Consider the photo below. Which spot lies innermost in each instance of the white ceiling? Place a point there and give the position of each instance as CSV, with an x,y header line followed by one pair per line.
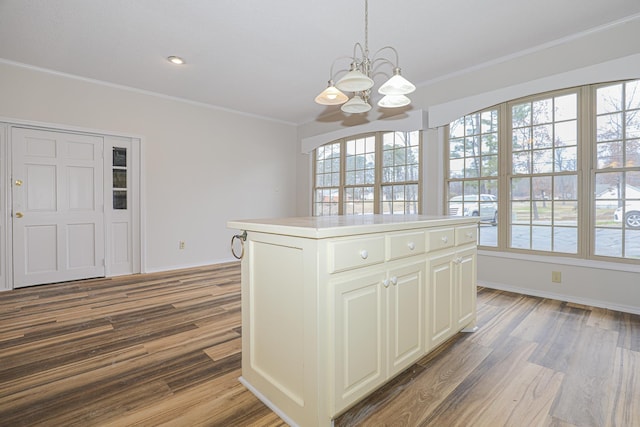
x,y
270,58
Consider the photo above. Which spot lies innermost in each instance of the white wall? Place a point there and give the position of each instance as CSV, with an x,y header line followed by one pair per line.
x,y
202,166
601,284
611,51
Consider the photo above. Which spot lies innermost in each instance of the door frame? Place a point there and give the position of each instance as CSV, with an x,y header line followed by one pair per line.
x,y
136,237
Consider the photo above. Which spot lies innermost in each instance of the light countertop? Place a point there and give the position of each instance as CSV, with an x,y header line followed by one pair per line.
x,y
321,227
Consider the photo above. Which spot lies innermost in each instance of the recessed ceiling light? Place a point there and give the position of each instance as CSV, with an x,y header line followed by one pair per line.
x,y
175,60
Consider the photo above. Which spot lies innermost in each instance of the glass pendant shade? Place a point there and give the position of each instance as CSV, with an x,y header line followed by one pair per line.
x,y
331,96
356,105
393,101
396,85
354,81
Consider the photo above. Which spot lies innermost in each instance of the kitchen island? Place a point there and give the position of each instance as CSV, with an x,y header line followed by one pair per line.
x,y
334,307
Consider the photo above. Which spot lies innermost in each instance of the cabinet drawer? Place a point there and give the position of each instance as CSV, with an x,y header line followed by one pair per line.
x,y
440,239
405,244
354,253
467,234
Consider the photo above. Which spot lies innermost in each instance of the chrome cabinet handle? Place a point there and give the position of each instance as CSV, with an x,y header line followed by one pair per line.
x,y
411,246
364,254
445,239
385,282
469,235
394,280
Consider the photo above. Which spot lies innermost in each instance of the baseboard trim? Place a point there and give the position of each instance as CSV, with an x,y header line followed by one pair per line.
x,y
267,402
185,266
560,297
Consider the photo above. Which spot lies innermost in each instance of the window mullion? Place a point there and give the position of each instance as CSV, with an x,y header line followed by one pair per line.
x,y
504,176
586,171
420,173
377,186
343,163
446,169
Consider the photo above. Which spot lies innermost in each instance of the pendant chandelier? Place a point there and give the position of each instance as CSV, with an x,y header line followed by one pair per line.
x,y
359,79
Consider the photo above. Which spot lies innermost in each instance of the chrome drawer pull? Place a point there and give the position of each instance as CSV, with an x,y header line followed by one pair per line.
x,y
364,254
412,246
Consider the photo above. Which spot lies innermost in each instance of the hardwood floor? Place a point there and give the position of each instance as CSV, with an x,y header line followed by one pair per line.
x,y
164,349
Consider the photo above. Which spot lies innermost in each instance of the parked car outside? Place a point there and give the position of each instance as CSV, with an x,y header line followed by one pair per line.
x,y
485,206
631,214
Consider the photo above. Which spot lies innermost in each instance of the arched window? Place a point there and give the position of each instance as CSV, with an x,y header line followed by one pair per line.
x,y
366,174
556,173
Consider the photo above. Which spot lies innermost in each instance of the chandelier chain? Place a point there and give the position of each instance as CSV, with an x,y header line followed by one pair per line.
x,y
366,28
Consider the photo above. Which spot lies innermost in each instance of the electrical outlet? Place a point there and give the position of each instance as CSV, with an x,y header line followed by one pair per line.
x,y
556,277
181,245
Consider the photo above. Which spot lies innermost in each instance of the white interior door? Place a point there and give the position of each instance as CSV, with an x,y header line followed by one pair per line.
x,y
58,206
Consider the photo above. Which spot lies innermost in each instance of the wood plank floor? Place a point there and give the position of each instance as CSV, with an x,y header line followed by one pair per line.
x,y
164,349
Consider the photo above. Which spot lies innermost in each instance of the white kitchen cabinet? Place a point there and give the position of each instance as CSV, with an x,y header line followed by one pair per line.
x,y
465,285
358,334
452,283
377,328
441,298
405,316
334,307
465,276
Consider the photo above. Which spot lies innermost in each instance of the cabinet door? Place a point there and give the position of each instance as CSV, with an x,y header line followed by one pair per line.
x,y
359,337
405,308
440,299
466,287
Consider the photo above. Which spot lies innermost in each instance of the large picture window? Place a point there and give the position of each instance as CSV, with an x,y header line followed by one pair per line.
x,y
473,171
360,175
544,178
562,168
400,172
367,174
617,170
327,183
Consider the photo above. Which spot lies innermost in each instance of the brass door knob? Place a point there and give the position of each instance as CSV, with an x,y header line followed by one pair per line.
x,y
18,214
18,182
